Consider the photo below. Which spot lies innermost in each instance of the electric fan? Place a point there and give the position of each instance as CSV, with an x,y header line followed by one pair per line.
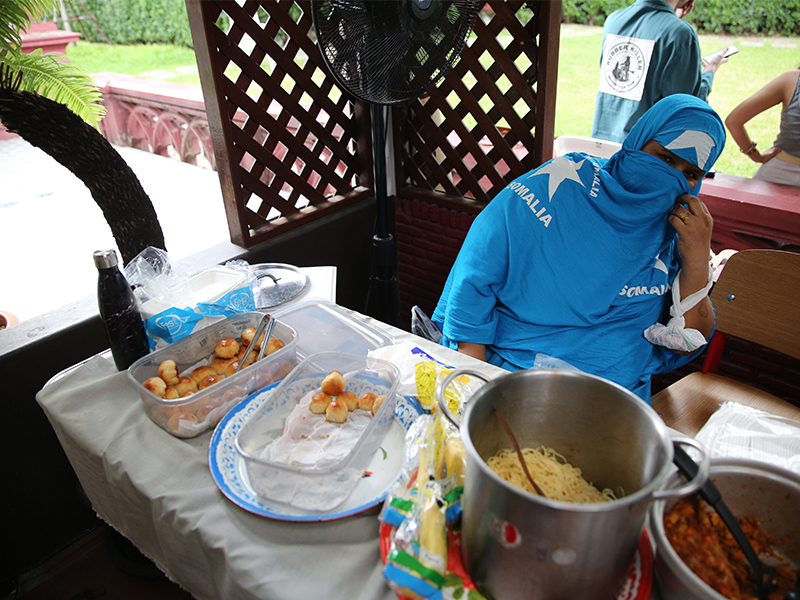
x,y
389,52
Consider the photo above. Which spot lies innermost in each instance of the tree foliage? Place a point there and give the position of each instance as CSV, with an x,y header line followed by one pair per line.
x,y
767,17
42,73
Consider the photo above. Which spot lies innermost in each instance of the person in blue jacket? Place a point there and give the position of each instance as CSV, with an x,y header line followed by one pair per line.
x,y
584,260
648,53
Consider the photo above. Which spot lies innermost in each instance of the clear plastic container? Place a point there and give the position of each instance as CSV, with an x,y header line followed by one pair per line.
x,y
335,468
204,409
326,327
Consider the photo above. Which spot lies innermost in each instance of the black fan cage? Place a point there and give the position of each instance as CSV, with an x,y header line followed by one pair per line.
x,y
391,51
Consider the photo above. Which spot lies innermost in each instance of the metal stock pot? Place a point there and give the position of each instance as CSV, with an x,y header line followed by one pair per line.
x,y
751,488
518,545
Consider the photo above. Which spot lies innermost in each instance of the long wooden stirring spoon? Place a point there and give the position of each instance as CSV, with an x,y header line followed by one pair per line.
x,y
519,452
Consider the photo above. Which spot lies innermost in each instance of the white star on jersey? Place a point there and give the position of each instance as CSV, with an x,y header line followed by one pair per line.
x,y
699,141
558,170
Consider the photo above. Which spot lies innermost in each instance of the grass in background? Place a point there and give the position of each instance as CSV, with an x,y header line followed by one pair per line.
x,y
134,60
759,60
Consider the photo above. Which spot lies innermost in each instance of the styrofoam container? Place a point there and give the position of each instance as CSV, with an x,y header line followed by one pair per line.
x,y
211,404
312,487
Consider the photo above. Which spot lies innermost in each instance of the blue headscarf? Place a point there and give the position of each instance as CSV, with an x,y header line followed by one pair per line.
x,y
574,260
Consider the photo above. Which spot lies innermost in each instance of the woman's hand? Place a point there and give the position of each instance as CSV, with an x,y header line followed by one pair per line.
x,y
762,157
694,225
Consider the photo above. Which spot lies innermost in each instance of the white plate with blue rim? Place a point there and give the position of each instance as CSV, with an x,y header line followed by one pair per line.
x,y
230,474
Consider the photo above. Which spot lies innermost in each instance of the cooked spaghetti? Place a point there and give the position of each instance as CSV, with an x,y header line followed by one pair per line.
x,y
558,479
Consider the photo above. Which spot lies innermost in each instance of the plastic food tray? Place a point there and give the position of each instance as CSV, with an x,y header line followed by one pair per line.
x,y
310,487
326,327
211,404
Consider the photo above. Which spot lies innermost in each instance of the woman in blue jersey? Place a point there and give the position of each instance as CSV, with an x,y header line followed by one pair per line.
x,y
601,263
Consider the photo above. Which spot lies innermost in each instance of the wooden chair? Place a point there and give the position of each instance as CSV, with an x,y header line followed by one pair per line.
x,y
756,298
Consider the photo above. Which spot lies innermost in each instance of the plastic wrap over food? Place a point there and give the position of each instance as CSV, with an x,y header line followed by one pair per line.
x,y
174,304
298,457
740,431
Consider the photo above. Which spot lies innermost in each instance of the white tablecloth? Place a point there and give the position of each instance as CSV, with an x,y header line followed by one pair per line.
x,y
157,491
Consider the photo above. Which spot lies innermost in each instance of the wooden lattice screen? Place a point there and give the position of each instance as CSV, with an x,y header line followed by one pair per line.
x,y
286,138
292,146
492,118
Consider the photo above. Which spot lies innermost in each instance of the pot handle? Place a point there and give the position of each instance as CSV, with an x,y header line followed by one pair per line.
x,y
696,482
441,386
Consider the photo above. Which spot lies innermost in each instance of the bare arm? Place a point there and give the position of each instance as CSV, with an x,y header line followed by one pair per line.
x,y
694,246
474,350
777,91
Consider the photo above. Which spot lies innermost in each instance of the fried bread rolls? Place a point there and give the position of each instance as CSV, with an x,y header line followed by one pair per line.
x,y
273,345
201,373
366,401
168,371
156,385
336,412
319,403
226,348
185,386
247,337
333,384
350,400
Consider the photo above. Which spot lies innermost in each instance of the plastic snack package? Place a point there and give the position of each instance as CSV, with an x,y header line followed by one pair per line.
x,y
455,460
430,373
417,562
405,357
424,509
740,431
422,326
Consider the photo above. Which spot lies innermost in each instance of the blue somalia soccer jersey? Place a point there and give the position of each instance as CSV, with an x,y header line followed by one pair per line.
x,y
510,290
575,259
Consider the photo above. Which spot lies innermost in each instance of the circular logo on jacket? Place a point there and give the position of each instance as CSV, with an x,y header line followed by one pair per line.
x,y
624,66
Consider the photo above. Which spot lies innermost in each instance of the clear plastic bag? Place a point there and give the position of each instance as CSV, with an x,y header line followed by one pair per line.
x,y
175,303
422,326
740,431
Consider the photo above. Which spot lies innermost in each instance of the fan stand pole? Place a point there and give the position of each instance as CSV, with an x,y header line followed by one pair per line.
x,y
384,279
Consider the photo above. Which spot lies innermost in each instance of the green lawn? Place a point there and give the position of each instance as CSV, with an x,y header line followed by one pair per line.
x,y
759,60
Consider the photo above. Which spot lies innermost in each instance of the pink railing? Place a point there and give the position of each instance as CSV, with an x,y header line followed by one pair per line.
x,y
159,117
170,119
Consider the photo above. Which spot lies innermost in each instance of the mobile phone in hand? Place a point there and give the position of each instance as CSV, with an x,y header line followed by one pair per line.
x,y
729,51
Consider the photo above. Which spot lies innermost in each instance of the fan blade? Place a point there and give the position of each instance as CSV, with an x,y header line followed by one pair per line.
x,y
391,51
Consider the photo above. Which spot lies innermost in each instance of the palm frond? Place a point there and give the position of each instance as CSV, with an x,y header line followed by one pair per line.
x,y
16,15
61,82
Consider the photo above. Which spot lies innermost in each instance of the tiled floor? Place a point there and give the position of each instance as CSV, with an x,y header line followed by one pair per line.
x,y
85,570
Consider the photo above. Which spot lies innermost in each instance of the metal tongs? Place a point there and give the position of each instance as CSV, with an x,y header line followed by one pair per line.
x,y
267,323
763,574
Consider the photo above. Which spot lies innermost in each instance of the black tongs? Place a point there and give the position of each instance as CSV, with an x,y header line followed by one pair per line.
x,y
763,574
